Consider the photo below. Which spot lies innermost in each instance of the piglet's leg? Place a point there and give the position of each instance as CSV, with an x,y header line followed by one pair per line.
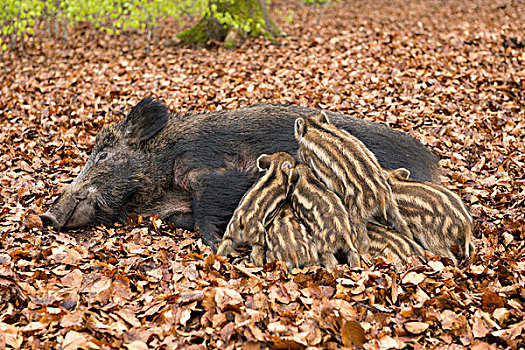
x,y
328,260
470,248
257,255
353,259
270,256
226,247
361,233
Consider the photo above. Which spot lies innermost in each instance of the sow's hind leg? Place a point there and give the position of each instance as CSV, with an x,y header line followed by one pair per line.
x,y
215,196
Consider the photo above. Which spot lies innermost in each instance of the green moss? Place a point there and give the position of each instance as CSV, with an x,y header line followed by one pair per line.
x,y
196,34
243,17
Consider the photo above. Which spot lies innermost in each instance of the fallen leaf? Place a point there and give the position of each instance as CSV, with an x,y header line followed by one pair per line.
x,y
413,278
416,327
491,301
137,345
353,334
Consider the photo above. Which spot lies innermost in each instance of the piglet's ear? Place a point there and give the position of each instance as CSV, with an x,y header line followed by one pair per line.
x,y
401,173
146,119
263,162
287,167
300,127
322,118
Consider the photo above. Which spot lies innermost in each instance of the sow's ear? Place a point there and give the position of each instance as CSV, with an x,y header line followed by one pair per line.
x,y
263,162
322,118
147,118
401,173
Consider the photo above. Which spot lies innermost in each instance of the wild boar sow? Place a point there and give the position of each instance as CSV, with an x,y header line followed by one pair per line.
x,y
193,169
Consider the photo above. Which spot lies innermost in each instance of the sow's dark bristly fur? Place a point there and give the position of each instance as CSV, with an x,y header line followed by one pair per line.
x,y
437,217
385,242
324,215
193,169
351,170
258,207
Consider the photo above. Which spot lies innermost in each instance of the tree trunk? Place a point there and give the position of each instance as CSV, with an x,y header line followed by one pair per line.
x,y
230,22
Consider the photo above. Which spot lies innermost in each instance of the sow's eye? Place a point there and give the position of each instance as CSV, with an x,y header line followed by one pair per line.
x,y
101,156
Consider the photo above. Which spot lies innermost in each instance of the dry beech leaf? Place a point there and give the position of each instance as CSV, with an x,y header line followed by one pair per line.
x,y
32,220
34,326
437,266
501,315
75,340
11,335
353,334
73,279
491,301
387,342
479,328
137,345
412,278
416,327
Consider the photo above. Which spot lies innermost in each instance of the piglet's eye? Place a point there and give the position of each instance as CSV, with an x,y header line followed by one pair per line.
x,y
241,224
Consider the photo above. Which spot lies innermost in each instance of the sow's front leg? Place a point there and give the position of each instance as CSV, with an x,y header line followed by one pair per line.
x,y
215,196
183,221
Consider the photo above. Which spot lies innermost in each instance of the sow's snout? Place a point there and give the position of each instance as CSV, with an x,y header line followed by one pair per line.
x,y
71,210
123,175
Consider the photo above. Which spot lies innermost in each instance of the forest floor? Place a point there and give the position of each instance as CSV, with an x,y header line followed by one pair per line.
x,y
450,73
